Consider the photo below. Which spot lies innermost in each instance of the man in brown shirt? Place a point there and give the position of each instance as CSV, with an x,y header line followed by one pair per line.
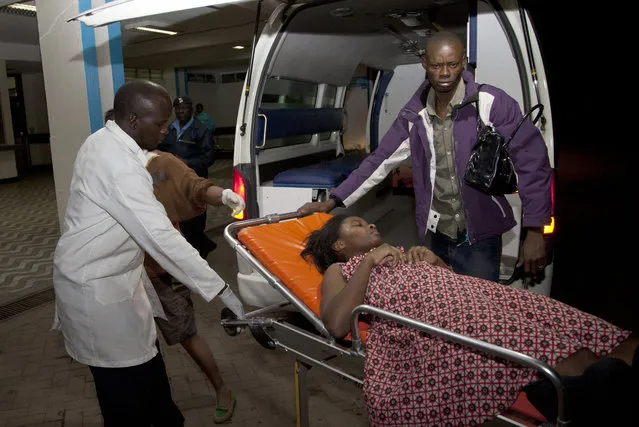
x,y
185,195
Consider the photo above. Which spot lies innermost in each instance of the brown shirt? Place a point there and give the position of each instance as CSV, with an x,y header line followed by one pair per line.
x,y
179,189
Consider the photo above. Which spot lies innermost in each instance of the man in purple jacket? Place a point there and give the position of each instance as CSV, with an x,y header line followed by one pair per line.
x,y
437,130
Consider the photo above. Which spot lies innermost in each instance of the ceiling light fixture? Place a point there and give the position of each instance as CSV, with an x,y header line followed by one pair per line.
x,y
20,6
342,12
121,10
410,19
156,30
238,47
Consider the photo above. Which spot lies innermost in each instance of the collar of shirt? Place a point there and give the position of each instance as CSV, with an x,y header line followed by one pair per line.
x,y
123,136
176,125
457,99
128,142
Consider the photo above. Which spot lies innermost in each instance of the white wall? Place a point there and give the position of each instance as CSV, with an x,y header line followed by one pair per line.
x,y
35,103
19,52
495,62
402,87
221,101
169,81
66,87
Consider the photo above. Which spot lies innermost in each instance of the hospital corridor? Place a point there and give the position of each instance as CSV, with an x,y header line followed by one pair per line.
x,y
264,213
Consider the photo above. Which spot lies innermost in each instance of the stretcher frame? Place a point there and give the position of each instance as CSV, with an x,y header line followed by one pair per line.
x,y
321,350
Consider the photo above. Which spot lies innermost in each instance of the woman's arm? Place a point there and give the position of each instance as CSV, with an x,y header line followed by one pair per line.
x,y
340,297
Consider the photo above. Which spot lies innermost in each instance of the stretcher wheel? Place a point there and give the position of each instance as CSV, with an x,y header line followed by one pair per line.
x,y
262,337
232,331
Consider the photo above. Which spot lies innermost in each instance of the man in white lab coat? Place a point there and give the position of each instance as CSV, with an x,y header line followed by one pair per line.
x,y
112,218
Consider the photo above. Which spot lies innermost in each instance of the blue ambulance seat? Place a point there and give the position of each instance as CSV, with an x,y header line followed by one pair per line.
x,y
326,174
285,122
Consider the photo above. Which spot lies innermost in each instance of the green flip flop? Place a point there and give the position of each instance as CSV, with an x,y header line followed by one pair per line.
x,y
223,414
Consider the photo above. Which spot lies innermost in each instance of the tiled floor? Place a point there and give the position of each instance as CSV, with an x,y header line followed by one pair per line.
x,y
41,386
29,231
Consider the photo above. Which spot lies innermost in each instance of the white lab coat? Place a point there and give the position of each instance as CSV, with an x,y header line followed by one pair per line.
x,y
112,218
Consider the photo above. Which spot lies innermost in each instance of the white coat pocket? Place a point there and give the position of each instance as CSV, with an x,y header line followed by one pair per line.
x,y
115,289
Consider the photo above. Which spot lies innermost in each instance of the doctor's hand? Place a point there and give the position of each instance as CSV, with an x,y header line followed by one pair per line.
x,y
230,300
233,201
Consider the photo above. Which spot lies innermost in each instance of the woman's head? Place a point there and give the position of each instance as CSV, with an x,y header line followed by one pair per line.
x,y
341,238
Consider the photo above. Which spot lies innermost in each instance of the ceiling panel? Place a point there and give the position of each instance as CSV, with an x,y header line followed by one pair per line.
x,y
206,35
16,28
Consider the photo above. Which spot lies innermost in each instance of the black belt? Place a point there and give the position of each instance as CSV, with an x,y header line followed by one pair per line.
x,y
461,235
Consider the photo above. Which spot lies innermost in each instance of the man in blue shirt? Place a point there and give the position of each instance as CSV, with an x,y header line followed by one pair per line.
x,y
190,140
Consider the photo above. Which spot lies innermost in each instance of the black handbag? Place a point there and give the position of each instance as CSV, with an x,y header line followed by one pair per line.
x,y
489,168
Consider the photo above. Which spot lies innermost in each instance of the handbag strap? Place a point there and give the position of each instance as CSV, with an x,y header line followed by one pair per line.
x,y
539,107
474,99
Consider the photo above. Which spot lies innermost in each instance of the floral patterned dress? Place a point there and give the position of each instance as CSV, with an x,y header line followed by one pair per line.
x,y
414,379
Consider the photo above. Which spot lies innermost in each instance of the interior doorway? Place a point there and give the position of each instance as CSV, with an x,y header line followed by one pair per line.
x,y
19,123
18,112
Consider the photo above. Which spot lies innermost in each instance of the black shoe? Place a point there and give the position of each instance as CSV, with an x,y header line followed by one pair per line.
x,y
602,396
543,396
608,393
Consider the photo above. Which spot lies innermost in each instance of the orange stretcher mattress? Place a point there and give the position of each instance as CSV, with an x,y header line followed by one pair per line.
x,y
278,246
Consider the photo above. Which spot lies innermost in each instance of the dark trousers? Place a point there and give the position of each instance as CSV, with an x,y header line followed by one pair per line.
x,y
481,259
193,231
137,396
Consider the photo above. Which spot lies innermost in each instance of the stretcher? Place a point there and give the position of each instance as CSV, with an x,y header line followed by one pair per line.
x,y
272,246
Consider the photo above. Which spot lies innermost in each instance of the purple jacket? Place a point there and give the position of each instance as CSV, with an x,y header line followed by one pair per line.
x,y
410,136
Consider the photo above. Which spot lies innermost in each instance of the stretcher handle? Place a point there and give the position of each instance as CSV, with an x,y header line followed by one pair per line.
x,y
233,228
504,353
230,234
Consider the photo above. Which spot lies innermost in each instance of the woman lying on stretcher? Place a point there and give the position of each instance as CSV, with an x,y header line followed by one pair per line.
x,y
413,378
